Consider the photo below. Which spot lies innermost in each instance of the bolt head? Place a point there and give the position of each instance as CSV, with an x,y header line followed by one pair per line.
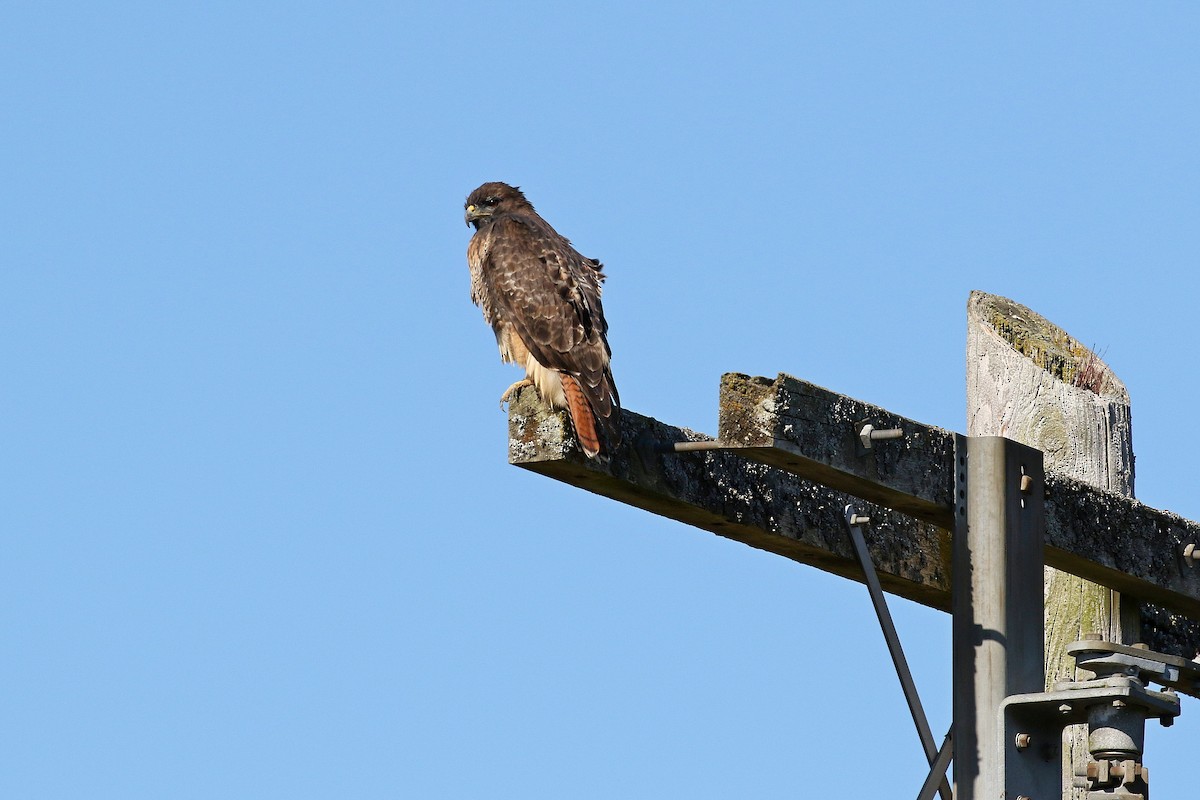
x,y
864,435
1023,740
1065,708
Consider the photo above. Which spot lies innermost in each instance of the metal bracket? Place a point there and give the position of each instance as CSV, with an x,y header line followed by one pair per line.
x,y
1108,658
1115,707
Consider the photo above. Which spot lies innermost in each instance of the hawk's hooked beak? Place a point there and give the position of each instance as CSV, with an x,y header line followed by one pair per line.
x,y
473,213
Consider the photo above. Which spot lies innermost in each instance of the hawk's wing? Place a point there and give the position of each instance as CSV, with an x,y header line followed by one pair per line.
x,y
550,295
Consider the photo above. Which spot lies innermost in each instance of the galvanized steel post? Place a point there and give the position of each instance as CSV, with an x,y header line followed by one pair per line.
x,y
997,601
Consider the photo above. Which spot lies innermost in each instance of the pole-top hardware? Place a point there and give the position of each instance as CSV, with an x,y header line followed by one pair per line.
x,y
1114,705
998,503
1110,660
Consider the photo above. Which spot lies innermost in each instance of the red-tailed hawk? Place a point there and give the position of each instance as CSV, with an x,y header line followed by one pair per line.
x,y
542,298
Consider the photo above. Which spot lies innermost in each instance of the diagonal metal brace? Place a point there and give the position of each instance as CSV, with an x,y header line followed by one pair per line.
x,y
937,770
854,522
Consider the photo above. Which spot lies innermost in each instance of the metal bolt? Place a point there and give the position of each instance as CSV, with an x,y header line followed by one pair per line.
x,y
1118,704
855,519
867,434
1022,797
1191,554
1026,484
692,447
1023,740
1065,708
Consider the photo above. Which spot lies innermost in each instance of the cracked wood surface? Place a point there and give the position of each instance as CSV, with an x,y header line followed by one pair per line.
x,y
1029,380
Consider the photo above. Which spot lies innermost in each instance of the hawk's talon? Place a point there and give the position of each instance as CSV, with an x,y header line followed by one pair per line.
x,y
512,390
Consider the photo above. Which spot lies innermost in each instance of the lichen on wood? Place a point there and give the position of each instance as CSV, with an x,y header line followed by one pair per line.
x,y
1048,346
1029,380
796,425
723,493
778,429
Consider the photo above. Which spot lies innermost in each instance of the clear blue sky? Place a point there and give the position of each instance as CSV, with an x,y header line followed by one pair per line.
x,y
260,536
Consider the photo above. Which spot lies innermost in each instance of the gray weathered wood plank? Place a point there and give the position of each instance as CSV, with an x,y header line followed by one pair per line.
x,y
812,432
724,494
762,505
1103,536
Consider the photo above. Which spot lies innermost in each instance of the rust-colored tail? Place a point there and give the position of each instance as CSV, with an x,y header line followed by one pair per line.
x,y
581,416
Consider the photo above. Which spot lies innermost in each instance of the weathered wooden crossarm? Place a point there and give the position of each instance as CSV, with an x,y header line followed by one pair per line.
x,y
1117,542
761,496
810,431
814,433
722,493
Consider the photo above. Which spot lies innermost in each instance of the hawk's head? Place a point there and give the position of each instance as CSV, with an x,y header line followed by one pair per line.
x,y
493,198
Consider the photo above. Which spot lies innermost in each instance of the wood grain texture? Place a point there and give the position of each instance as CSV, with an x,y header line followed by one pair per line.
x,y
1029,380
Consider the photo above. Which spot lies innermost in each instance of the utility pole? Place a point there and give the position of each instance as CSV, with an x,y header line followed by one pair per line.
x,y
959,523
997,631
1029,380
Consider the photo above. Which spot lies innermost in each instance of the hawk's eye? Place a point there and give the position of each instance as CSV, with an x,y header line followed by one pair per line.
x,y
491,201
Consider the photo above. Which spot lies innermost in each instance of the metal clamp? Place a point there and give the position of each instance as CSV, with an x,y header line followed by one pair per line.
x,y
1108,659
1115,707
